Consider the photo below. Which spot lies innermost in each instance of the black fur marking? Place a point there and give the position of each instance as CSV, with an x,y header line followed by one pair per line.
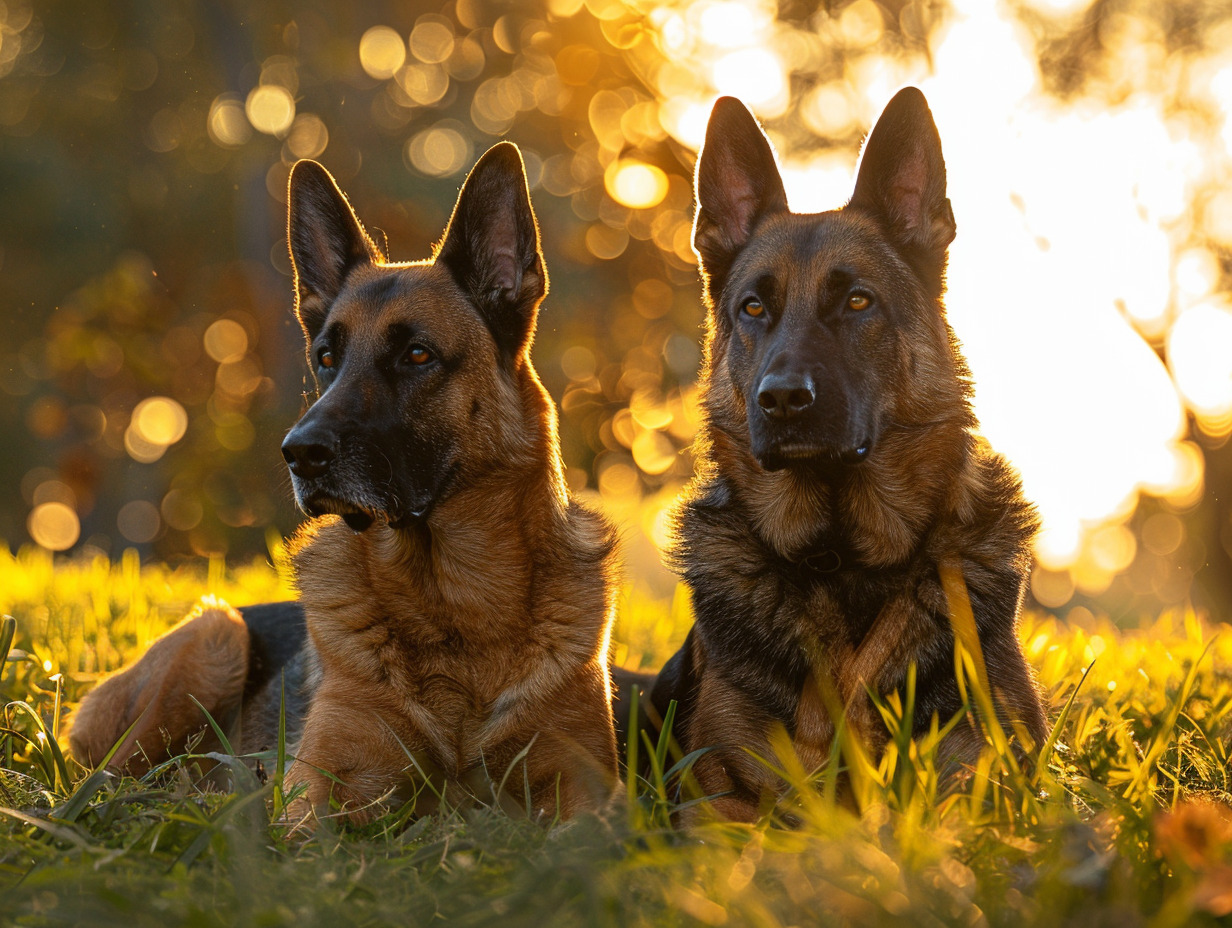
x,y
901,181
899,485
326,239
277,633
737,184
491,248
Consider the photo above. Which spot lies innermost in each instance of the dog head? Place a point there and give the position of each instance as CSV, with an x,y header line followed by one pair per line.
x,y
820,323
416,365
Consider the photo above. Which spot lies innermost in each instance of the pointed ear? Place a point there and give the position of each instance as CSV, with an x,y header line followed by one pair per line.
x,y
737,184
902,179
326,241
491,247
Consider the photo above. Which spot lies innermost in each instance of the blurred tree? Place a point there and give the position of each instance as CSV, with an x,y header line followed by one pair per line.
x,y
151,359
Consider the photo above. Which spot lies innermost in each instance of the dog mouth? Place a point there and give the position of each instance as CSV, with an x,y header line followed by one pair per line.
x,y
808,455
362,504
359,517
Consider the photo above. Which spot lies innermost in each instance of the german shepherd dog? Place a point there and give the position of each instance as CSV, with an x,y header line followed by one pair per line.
x,y
840,473
457,600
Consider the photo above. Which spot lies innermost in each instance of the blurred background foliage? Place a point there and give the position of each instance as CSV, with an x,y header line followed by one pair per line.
x,y
151,362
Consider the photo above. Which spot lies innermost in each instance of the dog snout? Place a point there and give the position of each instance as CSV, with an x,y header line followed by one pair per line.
x,y
308,451
782,395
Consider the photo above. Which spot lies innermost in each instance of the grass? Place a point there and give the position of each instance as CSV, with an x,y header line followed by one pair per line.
x,y
1127,824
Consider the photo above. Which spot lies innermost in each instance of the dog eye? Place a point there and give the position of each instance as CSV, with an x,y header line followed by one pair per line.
x,y
753,307
418,354
325,359
859,301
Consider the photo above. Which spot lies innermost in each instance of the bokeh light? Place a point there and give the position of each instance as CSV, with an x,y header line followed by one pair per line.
x,y
432,40
157,423
381,52
227,123
1200,354
54,526
756,76
438,151
225,340
138,521
270,108
160,420
308,137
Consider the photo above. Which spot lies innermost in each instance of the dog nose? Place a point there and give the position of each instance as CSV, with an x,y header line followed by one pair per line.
x,y
308,454
782,396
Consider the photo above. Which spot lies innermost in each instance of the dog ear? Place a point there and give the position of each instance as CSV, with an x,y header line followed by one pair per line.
x,y
737,184
326,239
491,246
902,178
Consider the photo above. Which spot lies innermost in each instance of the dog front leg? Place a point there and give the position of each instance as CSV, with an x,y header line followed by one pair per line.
x,y
350,758
573,764
726,720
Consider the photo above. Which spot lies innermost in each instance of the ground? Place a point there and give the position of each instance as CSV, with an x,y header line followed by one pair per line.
x,y
1127,823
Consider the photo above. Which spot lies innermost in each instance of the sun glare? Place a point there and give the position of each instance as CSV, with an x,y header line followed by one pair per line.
x,y
636,185
1200,351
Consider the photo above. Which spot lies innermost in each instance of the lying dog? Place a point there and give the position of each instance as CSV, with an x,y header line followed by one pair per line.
x,y
839,471
457,600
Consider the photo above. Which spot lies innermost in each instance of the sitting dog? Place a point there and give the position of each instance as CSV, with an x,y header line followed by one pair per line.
x,y
840,475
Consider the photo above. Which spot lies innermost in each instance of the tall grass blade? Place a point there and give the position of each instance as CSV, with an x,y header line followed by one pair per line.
x,y
631,744
1162,739
8,631
52,758
280,762
665,736
86,790
517,759
218,732
1054,735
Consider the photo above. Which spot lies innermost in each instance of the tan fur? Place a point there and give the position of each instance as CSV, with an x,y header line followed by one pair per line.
x,y
205,656
465,661
449,645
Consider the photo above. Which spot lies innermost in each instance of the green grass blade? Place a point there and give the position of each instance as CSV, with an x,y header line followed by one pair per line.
x,y
53,829
682,766
280,763
517,759
218,732
631,744
8,631
1054,735
86,790
423,775
54,765
665,736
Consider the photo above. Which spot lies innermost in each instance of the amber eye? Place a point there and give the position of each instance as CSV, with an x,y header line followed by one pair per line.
x,y
753,308
858,301
326,359
418,354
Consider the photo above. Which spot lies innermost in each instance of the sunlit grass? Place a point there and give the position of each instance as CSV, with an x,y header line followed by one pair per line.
x,y
1129,817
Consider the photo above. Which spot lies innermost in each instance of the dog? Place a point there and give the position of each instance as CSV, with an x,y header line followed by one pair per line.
x,y
839,472
456,601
